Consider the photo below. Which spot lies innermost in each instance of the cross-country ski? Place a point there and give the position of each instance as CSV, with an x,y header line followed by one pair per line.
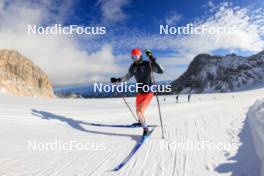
x,y
134,150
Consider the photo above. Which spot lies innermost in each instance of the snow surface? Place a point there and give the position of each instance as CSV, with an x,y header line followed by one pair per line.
x,y
215,118
256,122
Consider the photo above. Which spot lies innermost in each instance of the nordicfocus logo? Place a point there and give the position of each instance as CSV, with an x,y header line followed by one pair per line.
x,y
197,146
190,29
58,29
58,145
131,88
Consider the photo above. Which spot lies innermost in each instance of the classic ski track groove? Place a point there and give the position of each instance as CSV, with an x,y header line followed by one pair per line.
x,y
216,120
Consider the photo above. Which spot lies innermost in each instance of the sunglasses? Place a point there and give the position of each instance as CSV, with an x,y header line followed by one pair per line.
x,y
135,57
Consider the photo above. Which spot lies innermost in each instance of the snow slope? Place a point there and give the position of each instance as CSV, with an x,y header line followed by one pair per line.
x,y
209,118
256,122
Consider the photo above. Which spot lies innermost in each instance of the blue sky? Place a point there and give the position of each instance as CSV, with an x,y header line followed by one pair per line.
x,y
143,17
129,23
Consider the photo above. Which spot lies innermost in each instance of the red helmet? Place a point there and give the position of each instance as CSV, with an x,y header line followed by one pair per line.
x,y
135,52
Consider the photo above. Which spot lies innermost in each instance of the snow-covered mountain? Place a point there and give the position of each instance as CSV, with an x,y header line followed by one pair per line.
x,y
208,73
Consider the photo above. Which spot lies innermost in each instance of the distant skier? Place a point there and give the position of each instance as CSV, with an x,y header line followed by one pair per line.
x,y
141,70
177,98
189,98
164,99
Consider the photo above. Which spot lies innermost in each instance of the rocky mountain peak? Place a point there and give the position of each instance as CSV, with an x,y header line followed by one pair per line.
x,y
208,73
20,76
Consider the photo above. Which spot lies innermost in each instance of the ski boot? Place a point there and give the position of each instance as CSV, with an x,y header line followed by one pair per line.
x,y
145,132
138,124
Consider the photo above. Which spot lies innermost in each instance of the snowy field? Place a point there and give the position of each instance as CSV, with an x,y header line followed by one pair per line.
x,y
36,136
256,122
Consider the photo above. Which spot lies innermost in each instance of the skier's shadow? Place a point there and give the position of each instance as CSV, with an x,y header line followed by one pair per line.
x,y
77,124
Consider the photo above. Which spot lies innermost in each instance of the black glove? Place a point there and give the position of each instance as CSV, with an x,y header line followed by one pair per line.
x,y
115,80
150,56
149,53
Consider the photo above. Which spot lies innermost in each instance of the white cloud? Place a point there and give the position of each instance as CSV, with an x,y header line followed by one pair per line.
x,y
112,10
249,24
210,3
248,35
60,56
173,18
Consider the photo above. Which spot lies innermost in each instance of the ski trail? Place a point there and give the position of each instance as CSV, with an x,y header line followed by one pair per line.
x,y
203,120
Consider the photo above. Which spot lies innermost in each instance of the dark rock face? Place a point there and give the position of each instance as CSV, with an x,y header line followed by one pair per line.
x,y
207,74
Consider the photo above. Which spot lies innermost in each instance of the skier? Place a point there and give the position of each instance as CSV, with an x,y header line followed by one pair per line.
x,y
142,71
177,98
189,98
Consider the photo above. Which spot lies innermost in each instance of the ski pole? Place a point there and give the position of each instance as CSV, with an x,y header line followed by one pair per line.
x,y
162,130
157,98
129,108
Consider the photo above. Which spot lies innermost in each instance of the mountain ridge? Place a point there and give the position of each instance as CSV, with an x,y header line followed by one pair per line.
x,y
208,74
20,76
